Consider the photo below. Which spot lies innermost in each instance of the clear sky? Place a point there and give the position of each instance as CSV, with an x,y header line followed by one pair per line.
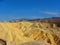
x,y
16,9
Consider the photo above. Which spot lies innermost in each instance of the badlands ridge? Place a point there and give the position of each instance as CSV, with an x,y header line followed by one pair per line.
x,y
19,32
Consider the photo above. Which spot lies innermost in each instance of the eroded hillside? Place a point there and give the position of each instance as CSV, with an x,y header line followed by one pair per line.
x,y
15,33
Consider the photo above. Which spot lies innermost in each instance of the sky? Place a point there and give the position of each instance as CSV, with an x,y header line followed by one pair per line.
x,y
29,9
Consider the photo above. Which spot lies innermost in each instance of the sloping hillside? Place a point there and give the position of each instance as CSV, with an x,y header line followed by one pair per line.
x,y
15,33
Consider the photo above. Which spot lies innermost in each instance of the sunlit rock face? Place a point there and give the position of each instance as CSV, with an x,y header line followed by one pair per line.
x,y
21,31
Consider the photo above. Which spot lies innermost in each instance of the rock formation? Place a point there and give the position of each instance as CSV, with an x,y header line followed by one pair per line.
x,y
21,31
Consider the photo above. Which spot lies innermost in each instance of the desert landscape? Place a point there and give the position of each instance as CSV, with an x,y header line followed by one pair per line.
x,y
30,32
29,22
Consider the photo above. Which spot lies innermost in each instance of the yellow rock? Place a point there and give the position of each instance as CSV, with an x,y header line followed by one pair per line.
x,y
15,33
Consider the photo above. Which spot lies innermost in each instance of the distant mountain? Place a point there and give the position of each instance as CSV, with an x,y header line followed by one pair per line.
x,y
53,20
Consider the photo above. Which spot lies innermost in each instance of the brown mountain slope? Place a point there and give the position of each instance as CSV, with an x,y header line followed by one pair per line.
x,y
26,31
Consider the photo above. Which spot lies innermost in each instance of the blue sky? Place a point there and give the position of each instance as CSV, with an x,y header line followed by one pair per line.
x,y
17,9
